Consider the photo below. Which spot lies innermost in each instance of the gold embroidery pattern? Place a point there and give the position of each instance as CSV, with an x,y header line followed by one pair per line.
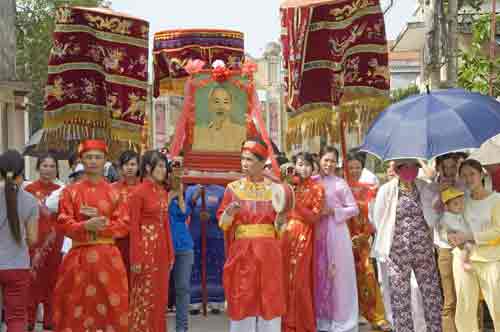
x,y
348,10
251,191
63,15
142,292
115,25
142,307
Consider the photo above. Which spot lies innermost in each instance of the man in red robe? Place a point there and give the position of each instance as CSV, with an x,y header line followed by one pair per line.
x,y
253,272
91,293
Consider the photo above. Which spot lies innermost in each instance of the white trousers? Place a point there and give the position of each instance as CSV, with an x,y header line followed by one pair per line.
x,y
332,326
417,306
255,324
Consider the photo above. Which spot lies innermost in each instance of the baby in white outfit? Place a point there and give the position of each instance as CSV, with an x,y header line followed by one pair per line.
x,y
453,221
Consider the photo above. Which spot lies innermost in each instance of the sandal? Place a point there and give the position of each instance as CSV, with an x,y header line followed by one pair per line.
x,y
382,326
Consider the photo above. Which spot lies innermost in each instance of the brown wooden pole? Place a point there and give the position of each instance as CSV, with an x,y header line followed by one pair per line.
x,y
204,225
493,44
343,145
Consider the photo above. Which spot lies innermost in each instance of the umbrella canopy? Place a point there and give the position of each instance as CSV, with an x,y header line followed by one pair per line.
x,y
488,153
433,124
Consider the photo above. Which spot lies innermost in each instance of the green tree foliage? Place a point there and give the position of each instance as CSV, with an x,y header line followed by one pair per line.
x,y
34,28
475,64
400,94
474,4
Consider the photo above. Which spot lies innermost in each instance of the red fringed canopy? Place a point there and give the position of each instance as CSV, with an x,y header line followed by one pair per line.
x,y
174,48
98,79
335,54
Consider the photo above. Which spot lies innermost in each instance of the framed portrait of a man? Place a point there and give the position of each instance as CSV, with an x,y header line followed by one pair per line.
x,y
220,117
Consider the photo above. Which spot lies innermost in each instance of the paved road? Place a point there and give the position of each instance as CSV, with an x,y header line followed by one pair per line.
x,y
217,323
213,323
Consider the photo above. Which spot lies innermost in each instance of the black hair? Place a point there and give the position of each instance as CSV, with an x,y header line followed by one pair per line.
x,y
442,158
12,166
359,153
72,160
329,149
151,158
45,156
461,155
305,156
127,156
356,156
473,164
282,160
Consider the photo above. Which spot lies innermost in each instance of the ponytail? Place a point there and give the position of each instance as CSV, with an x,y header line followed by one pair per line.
x,y
12,166
12,215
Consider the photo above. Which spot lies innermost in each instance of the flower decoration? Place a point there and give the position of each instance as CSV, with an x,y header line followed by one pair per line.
x,y
249,68
194,66
220,74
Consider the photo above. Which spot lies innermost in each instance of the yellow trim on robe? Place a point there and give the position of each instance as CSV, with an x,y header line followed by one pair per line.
x,y
494,242
93,242
252,191
255,231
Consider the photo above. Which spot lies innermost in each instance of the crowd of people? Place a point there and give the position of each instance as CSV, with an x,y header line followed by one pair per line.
x,y
419,252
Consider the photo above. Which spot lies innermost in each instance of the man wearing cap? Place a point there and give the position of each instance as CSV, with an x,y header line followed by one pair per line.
x,y
253,280
91,293
447,169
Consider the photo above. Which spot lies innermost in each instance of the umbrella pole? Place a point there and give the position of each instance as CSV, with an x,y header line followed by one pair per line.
x,y
493,31
204,226
343,146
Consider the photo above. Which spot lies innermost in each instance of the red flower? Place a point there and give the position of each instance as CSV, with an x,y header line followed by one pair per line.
x,y
220,74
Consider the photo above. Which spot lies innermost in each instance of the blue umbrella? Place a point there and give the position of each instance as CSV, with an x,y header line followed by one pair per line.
x,y
432,124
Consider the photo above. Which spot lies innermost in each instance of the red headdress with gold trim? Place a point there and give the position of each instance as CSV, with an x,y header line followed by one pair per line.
x,y
256,148
92,144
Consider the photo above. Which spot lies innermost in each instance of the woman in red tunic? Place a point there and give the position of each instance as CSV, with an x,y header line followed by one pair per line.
x,y
297,241
371,304
46,254
151,247
91,293
129,171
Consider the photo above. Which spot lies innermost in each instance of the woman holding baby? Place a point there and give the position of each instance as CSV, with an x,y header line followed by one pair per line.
x,y
482,213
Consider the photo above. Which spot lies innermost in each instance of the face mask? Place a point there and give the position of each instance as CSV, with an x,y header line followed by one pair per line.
x,y
408,173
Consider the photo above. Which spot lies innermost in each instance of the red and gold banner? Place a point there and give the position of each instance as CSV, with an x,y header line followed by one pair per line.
x,y
174,48
335,54
97,83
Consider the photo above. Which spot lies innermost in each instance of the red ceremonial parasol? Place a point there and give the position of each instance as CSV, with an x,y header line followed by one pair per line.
x,y
335,58
174,48
97,79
